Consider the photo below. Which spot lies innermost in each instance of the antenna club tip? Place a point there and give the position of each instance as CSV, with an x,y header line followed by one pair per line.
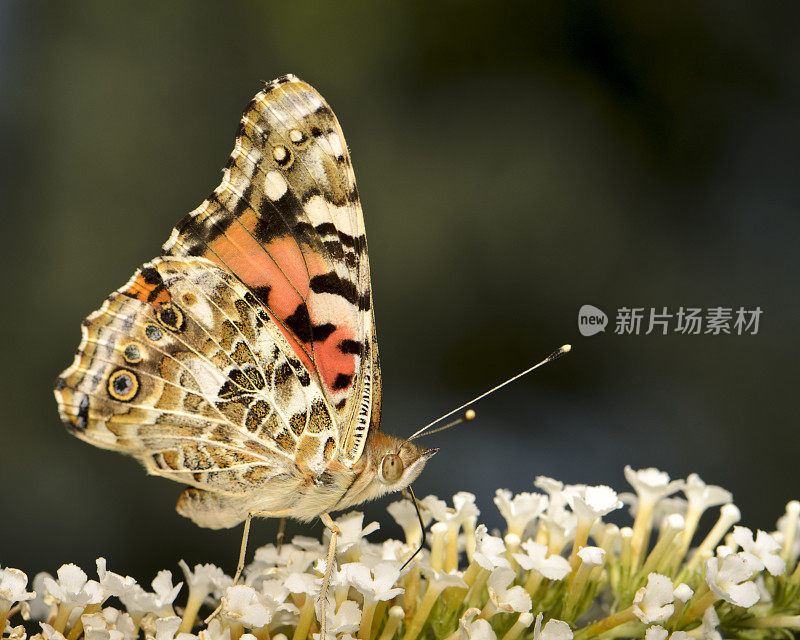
x,y
566,348
469,414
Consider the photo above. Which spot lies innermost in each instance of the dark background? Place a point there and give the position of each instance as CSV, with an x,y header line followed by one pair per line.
x,y
515,161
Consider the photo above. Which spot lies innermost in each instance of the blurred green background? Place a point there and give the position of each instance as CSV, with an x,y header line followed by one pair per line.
x,y
516,160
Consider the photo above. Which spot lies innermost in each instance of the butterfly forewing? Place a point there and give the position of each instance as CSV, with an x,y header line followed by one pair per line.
x,y
286,220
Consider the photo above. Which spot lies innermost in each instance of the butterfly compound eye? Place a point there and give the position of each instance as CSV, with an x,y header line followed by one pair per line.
x,y
391,468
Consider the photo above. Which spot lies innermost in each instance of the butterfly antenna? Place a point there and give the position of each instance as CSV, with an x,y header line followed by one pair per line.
x,y
467,416
421,526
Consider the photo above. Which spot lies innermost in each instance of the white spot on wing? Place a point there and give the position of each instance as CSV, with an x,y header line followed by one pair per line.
x,y
320,210
334,143
274,185
310,103
279,153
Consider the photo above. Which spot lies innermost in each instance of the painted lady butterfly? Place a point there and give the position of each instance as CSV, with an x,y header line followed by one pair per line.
x,y
243,362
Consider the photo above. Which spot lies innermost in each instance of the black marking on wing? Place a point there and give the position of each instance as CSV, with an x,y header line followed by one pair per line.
x,y
350,346
262,293
299,323
243,203
151,275
342,381
322,332
331,283
83,413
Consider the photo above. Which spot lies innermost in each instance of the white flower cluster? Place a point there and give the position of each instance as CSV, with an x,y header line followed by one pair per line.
x,y
557,572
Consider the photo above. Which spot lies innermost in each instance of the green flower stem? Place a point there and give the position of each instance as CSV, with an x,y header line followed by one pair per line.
x,y
475,595
472,573
581,538
454,597
424,609
451,551
470,542
794,579
137,621
439,535
305,620
677,614
340,595
608,538
489,610
392,624
691,520
790,531
367,615
575,589
77,629
193,604
262,633
777,622
412,590
523,622
512,542
659,552
532,583
698,606
5,607
62,617
641,531
236,629
606,624
672,559
626,553
543,537
729,515
380,614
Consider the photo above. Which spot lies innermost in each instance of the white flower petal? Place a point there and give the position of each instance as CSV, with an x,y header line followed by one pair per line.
x,y
12,586
656,633
728,578
653,602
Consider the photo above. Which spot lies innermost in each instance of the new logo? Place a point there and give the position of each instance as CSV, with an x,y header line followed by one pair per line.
x,y
591,320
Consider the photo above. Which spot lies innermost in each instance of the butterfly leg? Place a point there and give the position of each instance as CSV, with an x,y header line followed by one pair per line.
x,y
243,548
326,580
281,531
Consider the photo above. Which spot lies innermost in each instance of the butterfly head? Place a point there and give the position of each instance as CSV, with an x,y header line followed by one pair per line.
x,y
399,462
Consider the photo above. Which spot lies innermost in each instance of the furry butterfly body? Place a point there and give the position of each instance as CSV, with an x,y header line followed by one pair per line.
x,y
243,362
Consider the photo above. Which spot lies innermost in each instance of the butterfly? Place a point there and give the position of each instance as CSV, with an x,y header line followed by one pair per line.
x,y
243,362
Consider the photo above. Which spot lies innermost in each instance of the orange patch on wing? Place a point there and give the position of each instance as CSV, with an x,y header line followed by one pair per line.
x,y
331,361
282,266
140,289
279,266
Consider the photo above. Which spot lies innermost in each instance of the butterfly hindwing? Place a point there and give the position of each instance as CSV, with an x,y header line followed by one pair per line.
x,y
287,222
184,369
